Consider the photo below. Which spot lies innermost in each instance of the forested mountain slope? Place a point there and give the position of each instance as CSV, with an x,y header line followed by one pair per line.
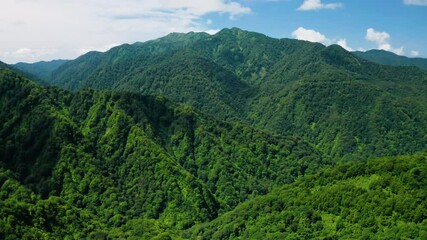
x,y
247,148
377,199
389,58
347,106
75,164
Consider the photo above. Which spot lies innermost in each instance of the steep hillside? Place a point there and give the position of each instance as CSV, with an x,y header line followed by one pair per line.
x,y
127,159
348,107
376,199
389,58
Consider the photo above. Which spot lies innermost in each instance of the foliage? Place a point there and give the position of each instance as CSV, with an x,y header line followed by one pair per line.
x,y
124,157
378,199
116,164
348,107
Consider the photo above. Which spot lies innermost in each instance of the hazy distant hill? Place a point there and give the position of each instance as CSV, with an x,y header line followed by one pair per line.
x,y
3,65
389,58
40,69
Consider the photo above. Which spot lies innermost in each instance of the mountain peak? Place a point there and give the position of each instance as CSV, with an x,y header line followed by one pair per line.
x,y
183,37
236,31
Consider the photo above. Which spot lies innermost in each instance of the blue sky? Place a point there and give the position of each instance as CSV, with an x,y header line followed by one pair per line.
x,y
405,23
49,29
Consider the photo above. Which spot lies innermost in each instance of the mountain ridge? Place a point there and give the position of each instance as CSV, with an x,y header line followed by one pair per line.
x,y
252,80
226,136
389,58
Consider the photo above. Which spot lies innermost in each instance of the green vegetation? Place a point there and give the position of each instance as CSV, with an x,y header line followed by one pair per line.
x,y
129,159
263,139
389,58
348,107
383,198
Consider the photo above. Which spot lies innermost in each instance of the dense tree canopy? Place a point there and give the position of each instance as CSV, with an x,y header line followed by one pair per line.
x,y
123,156
346,106
378,199
228,136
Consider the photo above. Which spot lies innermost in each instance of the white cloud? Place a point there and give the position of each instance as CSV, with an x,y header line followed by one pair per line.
x,y
313,36
104,48
309,35
30,53
378,37
92,24
212,31
398,51
343,44
317,5
414,53
416,2
382,40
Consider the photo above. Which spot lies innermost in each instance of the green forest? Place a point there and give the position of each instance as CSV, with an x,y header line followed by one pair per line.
x,y
345,105
228,136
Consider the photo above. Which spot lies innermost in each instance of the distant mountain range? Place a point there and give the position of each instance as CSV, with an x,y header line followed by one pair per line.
x,y
40,70
228,136
44,69
392,59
